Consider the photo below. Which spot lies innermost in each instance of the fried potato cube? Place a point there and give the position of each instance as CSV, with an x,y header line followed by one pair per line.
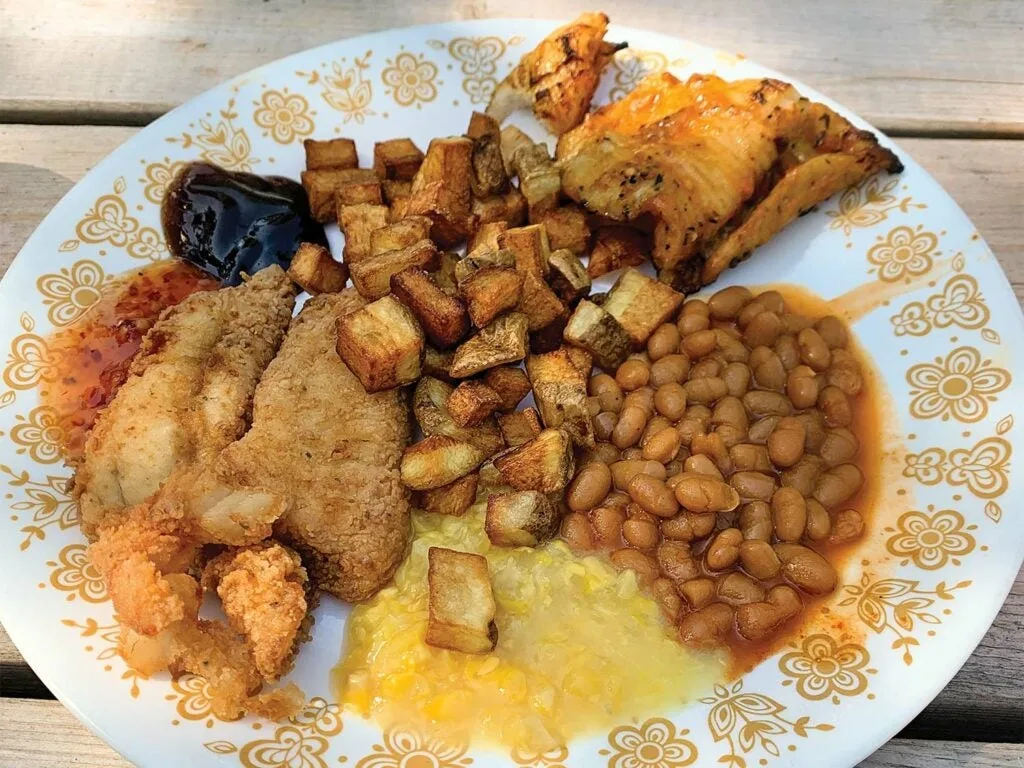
x,y
509,207
356,192
441,189
543,464
400,234
539,303
393,189
358,223
502,341
530,247
452,499
489,175
460,603
560,390
316,271
616,248
640,304
511,383
430,407
396,159
333,153
372,276
382,344
520,519
519,427
568,277
443,318
486,237
471,402
549,338
566,228
322,184
473,262
490,291
593,329
445,274
438,460
582,359
400,208
513,138
539,178
437,363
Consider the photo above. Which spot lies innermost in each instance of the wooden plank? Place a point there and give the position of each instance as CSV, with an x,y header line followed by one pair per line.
x,y
42,734
913,66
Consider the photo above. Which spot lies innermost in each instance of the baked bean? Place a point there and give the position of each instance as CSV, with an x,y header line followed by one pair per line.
x,y
731,434
664,446
814,429
706,390
737,379
802,387
762,330
699,412
724,549
786,442
832,331
730,410
576,531
789,514
803,475
805,569
600,383
702,464
689,429
713,446
750,457
844,373
696,307
604,452
756,521
727,303
593,406
795,323
670,400
772,301
606,525
707,627
761,403
819,524
759,559
617,500
761,429
642,398
771,374
607,391
838,484
697,592
739,589
730,348
676,561
604,424
624,471
633,374
669,369
847,525
701,493
632,454
813,350
674,467
836,407
644,566
788,351
753,486
664,341
635,512
629,427
699,343
665,593
705,369
653,495
657,424
749,312
640,534
681,527
759,355
692,323
589,487
839,447
757,621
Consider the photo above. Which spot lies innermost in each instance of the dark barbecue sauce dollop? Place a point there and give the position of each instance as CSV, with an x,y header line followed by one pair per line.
x,y
228,222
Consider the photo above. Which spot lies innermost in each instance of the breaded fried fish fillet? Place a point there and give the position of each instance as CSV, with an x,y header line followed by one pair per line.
x,y
318,438
187,396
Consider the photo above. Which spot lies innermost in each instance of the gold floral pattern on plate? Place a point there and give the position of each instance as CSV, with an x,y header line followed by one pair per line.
x,y
219,140
301,744
549,758
71,291
405,748
903,253
346,89
960,386
46,500
158,177
931,540
983,469
478,59
75,574
752,723
193,700
824,669
959,303
655,743
631,66
410,79
898,606
869,203
109,223
29,360
39,435
283,116
108,637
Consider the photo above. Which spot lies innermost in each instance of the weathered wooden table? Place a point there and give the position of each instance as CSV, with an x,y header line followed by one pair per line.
x,y
945,78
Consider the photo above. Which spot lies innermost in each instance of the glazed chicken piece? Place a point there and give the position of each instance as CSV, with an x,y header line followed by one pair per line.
x,y
187,396
718,167
558,77
333,451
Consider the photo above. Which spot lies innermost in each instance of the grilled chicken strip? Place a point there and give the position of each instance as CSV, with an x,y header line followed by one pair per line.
x,y
719,166
187,396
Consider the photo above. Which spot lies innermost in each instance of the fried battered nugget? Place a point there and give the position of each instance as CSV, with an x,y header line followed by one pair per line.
x,y
187,396
333,450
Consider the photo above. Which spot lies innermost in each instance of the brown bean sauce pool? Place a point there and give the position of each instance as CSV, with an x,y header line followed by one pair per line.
x,y
865,409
